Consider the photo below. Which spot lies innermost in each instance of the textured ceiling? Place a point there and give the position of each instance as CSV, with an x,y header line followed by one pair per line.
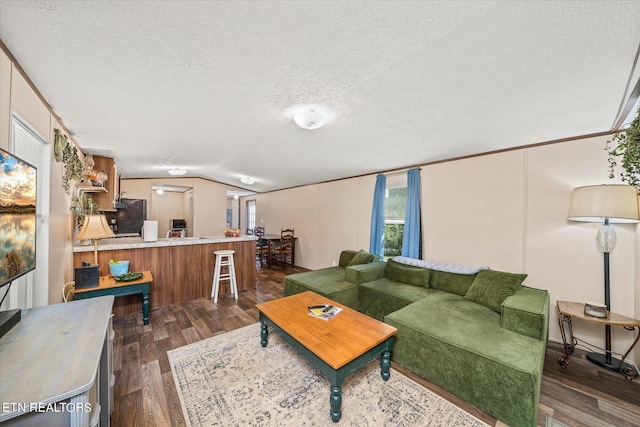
x,y
211,86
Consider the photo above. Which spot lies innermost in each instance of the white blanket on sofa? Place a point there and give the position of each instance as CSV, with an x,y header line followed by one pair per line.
x,y
449,268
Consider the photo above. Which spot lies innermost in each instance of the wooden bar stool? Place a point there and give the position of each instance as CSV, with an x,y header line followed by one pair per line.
x,y
224,258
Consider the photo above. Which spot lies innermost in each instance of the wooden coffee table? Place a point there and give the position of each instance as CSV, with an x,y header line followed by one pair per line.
x,y
337,347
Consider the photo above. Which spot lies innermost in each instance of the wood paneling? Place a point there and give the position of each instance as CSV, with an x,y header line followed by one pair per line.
x,y
180,273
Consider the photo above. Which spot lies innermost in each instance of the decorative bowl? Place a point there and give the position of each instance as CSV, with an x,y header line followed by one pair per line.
x,y
230,232
119,268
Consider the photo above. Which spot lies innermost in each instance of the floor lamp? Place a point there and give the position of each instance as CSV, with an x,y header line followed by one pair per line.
x,y
605,204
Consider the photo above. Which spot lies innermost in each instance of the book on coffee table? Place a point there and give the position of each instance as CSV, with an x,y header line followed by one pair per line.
x,y
324,311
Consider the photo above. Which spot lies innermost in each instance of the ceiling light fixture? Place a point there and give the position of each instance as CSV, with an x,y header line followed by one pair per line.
x,y
247,180
309,119
177,171
159,191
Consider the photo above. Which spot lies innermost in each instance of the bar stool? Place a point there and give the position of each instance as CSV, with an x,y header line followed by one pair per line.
x,y
224,258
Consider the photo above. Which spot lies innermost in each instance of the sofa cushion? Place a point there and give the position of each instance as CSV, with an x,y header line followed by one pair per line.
x,y
361,257
328,282
490,288
381,297
402,273
527,312
345,257
365,272
453,283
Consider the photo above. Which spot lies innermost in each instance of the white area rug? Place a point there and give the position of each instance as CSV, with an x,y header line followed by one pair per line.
x,y
230,380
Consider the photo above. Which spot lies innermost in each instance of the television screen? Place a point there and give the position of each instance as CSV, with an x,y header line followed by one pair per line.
x,y
17,217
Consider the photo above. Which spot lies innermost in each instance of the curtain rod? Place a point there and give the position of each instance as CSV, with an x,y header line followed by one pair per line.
x,y
393,172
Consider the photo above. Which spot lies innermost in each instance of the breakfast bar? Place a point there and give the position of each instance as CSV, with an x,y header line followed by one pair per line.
x,y
182,268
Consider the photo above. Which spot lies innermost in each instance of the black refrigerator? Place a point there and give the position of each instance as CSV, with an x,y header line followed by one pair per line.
x,y
129,217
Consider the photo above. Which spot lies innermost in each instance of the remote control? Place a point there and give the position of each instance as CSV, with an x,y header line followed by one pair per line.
x,y
327,309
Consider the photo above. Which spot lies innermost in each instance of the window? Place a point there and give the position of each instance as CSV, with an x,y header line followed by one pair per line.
x,y
251,214
395,206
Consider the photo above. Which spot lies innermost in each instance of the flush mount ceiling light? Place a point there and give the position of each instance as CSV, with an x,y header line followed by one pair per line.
x,y
247,180
159,191
309,119
177,171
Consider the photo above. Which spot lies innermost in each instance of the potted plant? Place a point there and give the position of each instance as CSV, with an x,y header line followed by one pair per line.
x,y
626,145
83,205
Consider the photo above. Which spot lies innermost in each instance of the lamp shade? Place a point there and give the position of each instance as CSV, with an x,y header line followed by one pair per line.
x,y
595,203
95,227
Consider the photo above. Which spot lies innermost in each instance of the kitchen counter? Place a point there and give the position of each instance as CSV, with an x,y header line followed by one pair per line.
x,y
182,268
137,242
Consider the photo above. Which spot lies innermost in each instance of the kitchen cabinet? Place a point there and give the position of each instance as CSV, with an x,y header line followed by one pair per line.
x,y
106,200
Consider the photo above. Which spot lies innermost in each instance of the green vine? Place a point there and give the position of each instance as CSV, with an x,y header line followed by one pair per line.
x,y
66,153
627,146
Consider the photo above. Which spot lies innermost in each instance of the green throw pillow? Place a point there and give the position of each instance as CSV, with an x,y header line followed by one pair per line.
x,y
491,288
361,257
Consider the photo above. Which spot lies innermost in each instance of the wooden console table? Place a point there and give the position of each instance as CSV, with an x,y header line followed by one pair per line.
x,y
107,285
52,359
575,310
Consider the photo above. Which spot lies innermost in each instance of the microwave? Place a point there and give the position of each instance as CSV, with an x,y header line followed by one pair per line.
x,y
177,224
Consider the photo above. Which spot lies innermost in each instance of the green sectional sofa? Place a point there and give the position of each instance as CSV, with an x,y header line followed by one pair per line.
x,y
339,283
477,333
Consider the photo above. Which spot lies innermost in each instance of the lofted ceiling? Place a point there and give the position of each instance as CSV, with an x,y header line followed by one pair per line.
x,y
211,87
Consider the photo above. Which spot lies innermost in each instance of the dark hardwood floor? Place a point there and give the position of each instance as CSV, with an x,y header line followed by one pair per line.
x,y
145,394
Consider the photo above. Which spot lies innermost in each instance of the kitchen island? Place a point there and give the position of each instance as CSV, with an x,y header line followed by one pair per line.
x,y
182,268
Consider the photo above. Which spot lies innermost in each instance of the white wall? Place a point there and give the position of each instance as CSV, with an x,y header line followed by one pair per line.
x,y
209,203
166,207
506,210
473,211
327,218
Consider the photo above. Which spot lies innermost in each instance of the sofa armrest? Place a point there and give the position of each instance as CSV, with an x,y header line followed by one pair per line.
x,y
527,312
365,272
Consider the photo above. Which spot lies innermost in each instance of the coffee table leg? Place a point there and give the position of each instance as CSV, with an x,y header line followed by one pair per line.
x,y
335,400
385,365
264,335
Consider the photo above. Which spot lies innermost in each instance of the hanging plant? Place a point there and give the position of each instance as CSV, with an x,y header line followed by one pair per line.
x,y
626,145
83,205
66,153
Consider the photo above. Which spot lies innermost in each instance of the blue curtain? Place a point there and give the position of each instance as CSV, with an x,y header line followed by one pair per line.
x,y
411,236
376,240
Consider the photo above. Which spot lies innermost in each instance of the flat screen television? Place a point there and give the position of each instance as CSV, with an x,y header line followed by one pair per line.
x,y
17,218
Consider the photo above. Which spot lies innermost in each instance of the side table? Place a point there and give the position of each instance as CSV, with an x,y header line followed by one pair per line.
x,y
575,310
108,286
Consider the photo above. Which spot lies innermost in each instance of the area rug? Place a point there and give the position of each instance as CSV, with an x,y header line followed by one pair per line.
x,y
231,380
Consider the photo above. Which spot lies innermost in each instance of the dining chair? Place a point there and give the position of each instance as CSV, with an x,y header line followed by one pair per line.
x,y
262,247
285,248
